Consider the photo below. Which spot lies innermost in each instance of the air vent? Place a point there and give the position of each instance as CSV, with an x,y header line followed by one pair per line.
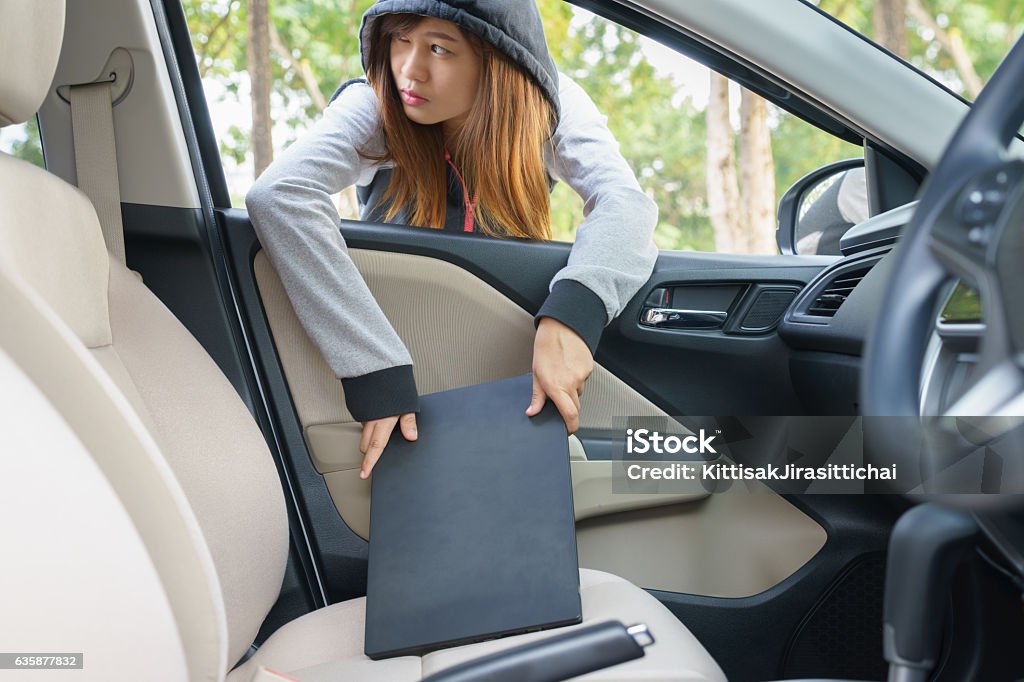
x,y
837,291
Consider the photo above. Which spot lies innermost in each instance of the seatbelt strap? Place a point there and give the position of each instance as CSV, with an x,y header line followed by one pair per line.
x,y
92,125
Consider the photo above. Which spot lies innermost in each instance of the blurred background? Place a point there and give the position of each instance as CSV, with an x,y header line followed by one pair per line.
x,y
715,157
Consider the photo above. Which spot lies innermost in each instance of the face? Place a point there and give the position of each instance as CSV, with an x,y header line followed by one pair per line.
x,y
436,72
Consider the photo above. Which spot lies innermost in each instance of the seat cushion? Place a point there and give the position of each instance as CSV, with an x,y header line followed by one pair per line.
x,y
328,643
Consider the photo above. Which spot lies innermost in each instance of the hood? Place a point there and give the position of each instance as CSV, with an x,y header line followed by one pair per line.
x,y
513,26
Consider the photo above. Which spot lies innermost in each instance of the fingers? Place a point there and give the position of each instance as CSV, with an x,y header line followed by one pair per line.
x,y
537,401
375,437
562,362
565,398
364,439
569,407
408,426
380,432
375,447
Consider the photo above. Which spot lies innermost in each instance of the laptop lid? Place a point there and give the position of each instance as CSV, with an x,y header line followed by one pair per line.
x,y
472,532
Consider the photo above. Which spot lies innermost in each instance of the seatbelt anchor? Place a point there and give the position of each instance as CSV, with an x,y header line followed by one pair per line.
x,y
119,71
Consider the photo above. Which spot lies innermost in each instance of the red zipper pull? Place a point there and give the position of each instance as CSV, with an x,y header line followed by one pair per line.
x,y
468,224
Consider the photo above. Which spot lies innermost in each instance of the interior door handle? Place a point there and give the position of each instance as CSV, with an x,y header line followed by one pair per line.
x,y
674,318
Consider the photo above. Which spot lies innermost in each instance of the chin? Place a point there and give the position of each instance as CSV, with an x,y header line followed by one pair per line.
x,y
417,116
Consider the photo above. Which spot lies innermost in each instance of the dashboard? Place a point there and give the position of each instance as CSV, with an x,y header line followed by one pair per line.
x,y
832,314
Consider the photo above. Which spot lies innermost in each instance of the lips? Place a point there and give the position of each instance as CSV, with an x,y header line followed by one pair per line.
x,y
412,99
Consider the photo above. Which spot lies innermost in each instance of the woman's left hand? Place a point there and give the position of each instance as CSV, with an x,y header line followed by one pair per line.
x,y
561,365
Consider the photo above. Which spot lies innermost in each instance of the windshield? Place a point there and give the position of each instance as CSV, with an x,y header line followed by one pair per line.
x,y
958,43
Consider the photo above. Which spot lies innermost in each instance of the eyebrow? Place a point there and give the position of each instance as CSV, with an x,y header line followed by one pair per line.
x,y
442,36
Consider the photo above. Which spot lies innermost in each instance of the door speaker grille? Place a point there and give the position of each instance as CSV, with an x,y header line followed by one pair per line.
x,y
766,310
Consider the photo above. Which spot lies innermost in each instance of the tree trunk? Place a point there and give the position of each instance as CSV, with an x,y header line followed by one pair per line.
x,y
723,189
258,52
890,20
757,177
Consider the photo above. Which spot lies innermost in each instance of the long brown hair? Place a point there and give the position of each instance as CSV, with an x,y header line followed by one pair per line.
x,y
498,150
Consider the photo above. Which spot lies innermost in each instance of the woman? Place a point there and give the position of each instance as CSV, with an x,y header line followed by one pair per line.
x,y
464,123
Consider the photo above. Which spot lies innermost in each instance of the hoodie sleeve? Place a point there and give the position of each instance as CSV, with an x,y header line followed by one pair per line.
x,y
614,252
298,225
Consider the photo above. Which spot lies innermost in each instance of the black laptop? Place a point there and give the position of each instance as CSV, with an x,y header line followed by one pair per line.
x,y
472,534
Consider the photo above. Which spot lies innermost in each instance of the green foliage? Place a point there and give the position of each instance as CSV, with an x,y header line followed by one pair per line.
x,y
322,34
661,137
662,133
26,145
798,148
963,305
218,29
236,145
987,28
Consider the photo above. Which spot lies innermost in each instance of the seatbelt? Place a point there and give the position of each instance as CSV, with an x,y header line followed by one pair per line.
x,y
92,126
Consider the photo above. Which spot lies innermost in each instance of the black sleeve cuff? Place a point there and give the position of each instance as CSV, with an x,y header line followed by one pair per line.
x,y
385,393
578,308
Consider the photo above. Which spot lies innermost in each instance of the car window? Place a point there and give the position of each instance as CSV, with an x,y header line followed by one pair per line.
x,y
22,141
715,157
960,44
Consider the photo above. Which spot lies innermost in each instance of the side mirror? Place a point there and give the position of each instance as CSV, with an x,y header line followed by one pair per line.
x,y
820,207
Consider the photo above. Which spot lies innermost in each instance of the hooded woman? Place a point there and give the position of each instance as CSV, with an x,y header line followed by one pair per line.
x,y
462,123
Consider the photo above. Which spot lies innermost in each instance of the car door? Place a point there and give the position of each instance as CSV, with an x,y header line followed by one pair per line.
x,y
725,563
463,306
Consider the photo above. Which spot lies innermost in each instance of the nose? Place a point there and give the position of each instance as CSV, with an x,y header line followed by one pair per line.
x,y
414,65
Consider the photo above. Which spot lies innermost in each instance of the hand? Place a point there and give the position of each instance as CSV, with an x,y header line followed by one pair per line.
x,y
561,365
376,434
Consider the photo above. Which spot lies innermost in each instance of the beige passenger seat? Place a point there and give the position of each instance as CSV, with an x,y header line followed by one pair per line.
x,y
177,446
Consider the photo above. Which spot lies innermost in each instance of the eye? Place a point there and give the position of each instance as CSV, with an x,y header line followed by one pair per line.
x,y
437,49
400,37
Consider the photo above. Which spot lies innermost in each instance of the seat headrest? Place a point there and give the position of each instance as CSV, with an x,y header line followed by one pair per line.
x,y
31,33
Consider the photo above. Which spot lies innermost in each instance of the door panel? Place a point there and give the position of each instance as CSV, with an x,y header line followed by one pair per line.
x,y
736,543
592,494
459,331
710,372
705,550
461,328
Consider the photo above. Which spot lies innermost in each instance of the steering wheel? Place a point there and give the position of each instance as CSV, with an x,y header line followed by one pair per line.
x,y
969,225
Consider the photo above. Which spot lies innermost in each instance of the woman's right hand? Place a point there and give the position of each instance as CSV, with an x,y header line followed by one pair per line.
x,y
376,434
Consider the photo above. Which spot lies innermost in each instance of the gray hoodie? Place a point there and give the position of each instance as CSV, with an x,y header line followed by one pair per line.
x,y
298,225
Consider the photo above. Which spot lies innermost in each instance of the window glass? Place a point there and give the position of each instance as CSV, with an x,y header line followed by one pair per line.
x,y
312,48
714,157
22,141
959,43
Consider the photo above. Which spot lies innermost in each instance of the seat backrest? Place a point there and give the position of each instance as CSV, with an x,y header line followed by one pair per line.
x,y
111,563
52,245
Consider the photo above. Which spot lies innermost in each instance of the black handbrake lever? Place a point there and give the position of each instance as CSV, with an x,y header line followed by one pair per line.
x,y
556,658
